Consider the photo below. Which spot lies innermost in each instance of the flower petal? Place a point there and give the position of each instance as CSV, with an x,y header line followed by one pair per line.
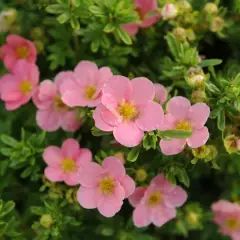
x,y
110,118
175,198
71,179
129,185
53,156
161,93
70,148
151,117
89,174
128,134
114,166
198,114
70,121
173,146
162,215
131,28
146,5
143,90
87,197
149,21
178,107
110,207
198,138
136,197
84,158
53,174
141,216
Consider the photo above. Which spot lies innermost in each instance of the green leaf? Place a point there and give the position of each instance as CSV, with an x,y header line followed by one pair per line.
x,y
236,104
7,208
180,134
55,9
173,45
124,36
212,88
97,11
110,27
75,23
76,3
3,226
210,62
9,140
183,176
147,142
26,173
38,210
63,18
97,132
214,113
133,154
221,120
194,161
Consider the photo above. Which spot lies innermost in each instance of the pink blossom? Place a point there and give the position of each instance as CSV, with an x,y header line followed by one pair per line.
x,y
227,216
238,145
161,93
156,203
17,88
144,8
128,109
52,112
84,88
182,116
17,48
104,187
64,163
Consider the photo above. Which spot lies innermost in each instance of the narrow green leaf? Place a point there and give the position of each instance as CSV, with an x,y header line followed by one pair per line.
x,y
37,210
214,113
212,88
63,18
26,173
210,62
55,9
221,120
124,36
173,45
180,134
183,176
97,132
76,3
110,27
133,154
7,208
8,140
97,11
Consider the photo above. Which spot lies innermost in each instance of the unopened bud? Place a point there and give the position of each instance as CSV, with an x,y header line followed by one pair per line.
x,y
180,34
10,15
195,77
141,175
201,152
192,218
37,33
231,144
169,11
217,24
211,8
198,96
46,220
233,91
185,5
212,153
39,46
190,35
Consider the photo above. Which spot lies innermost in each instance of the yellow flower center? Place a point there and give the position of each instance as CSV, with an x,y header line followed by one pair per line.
x,y
59,104
128,111
68,165
233,224
107,185
154,199
184,125
90,92
25,87
22,52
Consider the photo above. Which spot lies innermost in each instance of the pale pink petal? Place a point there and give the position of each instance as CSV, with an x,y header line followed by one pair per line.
x,y
47,90
129,185
118,87
161,215
161,183
11,96
179,107
169,122
90,174
143,90
136,197
71,179
102,76
175,198
63,77
87,197
114,167
173,146
131,28
110,207
13,105
110,118
99,122
151,116
198,138
128,134
84,158
198,114
15,40
161,93
119,193
67,84
53,156
149,21
85,72
70,148
10,61
53,174
70,121
141,216
48,120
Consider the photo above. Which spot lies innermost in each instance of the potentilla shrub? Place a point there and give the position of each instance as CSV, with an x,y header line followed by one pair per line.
x,y
120,119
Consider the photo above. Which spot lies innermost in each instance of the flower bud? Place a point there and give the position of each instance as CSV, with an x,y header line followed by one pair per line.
x,y
201,152
37,33
39,46
141,175
217,24
212,153
46,220
180,34
169,11
10,16
211,8
231,144
198,96
192,218
185,5
190,35
120,156
195,77
233,91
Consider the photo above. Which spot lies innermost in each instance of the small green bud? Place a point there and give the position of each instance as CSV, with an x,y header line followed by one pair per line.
x,y
37,33
46,220
198,96
39,45
10,16
192,218
211,8
212,154
190,35
201,152
180,34
107,232
141,175
233,91
185,5
231,144
195,77
217,24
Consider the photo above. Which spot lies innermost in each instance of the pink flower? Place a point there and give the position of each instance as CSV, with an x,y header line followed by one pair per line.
x,y
144,8
52,112
64,163
85,87
104,187
17,48
156,203
128,109
227,216
161,93
182,116
17,88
